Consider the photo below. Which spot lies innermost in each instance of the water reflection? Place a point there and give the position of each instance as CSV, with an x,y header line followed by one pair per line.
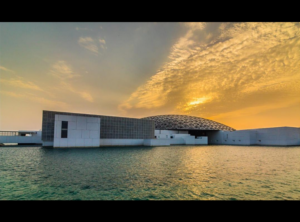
x,y
175,172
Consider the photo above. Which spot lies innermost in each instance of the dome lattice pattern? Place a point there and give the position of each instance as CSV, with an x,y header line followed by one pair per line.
x,y
183,122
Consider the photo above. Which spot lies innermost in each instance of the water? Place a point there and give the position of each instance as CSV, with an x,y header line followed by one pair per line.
x,y
150,173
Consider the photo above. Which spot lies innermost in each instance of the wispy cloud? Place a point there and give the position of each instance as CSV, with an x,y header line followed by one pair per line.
x,y
41,100
102,41
195,25
6,69
83,94
63,71
89,44
102,44
86,96
92,45
80,28
20,83
153,93
243,66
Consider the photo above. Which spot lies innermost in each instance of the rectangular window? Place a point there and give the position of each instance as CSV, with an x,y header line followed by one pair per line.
x,y
64,129
64,133
64,125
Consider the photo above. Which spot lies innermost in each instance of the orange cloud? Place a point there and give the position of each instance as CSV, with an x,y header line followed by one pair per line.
x,y
63,71
41,100
6,69
20,83
241,68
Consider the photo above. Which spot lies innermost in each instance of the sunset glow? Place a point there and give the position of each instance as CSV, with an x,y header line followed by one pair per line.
x,y
244,75
197,101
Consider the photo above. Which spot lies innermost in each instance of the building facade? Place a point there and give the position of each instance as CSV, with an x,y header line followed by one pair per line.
x,y
183,129
62,129
276,136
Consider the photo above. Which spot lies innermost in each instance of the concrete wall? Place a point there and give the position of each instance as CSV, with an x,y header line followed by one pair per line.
x,y
82,131
112,127
201,140
21,139
188,140
157,142
46,143
241,137
121,142
176,137
178,141
165,134
278,136
192,141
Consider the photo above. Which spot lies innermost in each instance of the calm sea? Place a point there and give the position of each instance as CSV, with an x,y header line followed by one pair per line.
x,y
150,173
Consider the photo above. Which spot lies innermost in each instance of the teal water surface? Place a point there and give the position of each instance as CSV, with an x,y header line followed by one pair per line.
x,y
150,173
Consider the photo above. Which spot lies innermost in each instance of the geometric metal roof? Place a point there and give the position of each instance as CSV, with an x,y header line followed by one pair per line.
x,y
183,122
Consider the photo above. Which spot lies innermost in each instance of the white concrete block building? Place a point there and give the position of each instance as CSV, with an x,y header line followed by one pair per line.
x,y
277,136
62,130
76,131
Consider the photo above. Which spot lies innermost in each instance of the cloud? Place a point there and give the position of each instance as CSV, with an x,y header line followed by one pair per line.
x,y
195,25
103,44
89,44
153,94
86,96
92,45
243,65
20,83
78,28
6,69
41,100
13,94
102,41
66,85
63,71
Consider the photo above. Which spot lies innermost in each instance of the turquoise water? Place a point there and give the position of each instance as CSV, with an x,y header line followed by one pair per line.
x,y
150,173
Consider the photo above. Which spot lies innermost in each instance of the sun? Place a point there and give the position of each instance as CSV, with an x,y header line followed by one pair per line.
x,y
197,101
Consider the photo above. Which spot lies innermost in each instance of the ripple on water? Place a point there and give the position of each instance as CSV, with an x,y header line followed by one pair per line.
x,y
86,187
159,173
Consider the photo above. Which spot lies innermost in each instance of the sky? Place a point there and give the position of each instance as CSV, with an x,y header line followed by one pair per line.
x,y
245,75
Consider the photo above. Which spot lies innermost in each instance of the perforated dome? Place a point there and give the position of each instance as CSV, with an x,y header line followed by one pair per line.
x,y
183,122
